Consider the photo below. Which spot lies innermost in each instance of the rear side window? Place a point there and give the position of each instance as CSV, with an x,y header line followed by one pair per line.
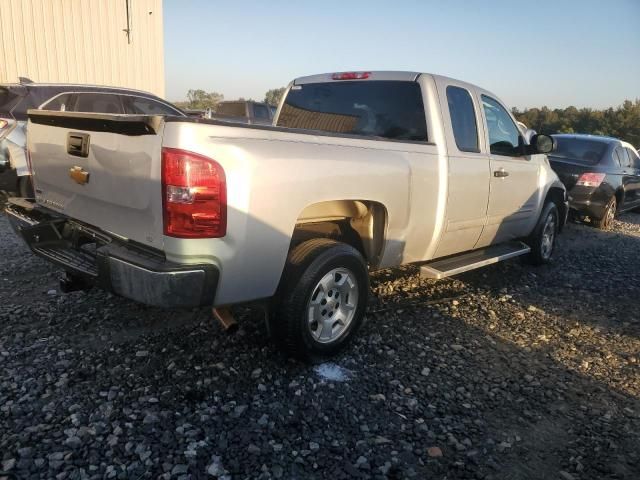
x,y
580,150
633,156
260,111
97,103
146,106
623,158
463,119
8,100
387,109
59,103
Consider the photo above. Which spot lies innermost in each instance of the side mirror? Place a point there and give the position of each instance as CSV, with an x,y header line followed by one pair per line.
x,y
541,143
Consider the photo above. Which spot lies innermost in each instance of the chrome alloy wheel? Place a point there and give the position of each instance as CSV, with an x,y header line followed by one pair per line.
x,y
548,236
332,305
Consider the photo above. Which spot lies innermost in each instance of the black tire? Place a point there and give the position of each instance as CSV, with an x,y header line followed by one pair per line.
x,y
308,264
606,221
541,250
25,187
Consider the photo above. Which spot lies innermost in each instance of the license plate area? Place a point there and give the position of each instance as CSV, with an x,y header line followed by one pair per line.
x,y
44,234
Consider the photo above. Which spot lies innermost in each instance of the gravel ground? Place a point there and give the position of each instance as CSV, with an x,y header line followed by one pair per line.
x,y
515,373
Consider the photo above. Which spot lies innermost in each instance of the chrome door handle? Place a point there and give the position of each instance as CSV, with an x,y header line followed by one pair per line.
x,y
500,173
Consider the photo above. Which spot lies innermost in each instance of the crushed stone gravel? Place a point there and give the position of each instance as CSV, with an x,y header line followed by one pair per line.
x,y
515,373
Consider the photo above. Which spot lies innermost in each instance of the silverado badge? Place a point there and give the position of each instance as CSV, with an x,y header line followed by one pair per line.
x,y
79,175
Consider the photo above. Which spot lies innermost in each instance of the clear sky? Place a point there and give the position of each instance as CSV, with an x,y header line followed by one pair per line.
x,y
530,53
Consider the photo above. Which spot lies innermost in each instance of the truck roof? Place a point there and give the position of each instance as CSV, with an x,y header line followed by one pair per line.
x,y
389,75
373,75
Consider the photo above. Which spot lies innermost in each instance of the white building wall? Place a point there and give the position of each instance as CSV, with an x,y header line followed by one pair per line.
x,y
83,41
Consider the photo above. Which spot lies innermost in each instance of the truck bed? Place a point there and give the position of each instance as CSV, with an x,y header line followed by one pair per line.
x,y
272,175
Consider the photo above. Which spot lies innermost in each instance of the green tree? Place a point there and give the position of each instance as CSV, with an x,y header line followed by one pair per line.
x,y
273,96
200,100
622,122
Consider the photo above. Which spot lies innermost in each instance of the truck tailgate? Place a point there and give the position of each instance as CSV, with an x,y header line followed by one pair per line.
x,y
103,170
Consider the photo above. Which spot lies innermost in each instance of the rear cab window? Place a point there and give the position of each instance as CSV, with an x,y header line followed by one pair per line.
x,y
463,119
391,110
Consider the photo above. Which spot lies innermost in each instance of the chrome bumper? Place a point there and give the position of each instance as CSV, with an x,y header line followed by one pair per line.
x,y
125,268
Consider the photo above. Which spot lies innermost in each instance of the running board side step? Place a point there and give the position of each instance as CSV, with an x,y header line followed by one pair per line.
x,y
471,260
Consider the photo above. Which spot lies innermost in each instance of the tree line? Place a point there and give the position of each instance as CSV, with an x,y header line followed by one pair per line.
x,y
622,122
201,100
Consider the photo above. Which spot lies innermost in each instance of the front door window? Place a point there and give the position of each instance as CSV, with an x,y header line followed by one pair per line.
x,y
504,136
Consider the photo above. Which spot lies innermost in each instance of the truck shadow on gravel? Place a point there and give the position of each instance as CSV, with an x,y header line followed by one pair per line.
x,y
517,373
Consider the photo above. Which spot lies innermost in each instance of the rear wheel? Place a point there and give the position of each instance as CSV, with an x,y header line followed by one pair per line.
x,y
543,239
322,299
606,221
25,187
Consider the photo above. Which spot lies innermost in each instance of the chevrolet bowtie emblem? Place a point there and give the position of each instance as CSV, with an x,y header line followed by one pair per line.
x,y
79,175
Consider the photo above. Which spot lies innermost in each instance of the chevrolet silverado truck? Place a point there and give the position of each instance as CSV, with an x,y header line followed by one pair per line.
x,y
361,171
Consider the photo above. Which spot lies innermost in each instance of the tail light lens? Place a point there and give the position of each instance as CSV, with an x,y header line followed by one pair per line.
x,y
5,127
591,179
194,193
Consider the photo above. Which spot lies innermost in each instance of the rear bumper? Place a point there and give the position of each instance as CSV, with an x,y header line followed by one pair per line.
x,y
589,201
122,267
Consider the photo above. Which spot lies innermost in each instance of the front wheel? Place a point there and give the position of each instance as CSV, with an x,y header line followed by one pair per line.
x,y
322,299
543,239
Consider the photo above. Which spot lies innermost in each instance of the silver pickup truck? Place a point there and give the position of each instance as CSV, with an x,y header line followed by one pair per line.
x,y
362,170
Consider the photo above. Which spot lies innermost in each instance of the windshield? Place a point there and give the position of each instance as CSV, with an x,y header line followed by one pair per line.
x,y
580,150
389,109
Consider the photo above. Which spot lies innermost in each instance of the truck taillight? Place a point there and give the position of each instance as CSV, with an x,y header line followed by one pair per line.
x,y
194,195
591,179
351,75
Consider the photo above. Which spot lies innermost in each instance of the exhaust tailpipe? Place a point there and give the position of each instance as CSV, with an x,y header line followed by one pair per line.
x,y
225,317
